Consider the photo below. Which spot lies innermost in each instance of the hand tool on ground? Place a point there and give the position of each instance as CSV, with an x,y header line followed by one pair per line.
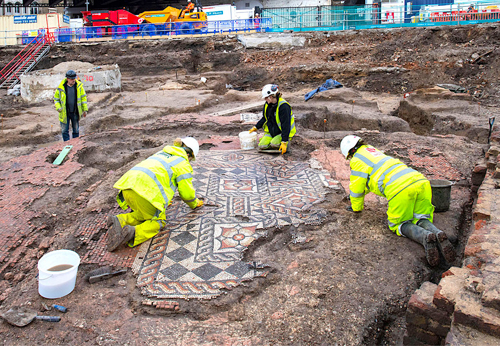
x,y
60,308
208,202
491,121
270,151
21,316
105,276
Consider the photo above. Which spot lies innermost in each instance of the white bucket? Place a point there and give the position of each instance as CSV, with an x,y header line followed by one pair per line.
x,y
248,140
61,280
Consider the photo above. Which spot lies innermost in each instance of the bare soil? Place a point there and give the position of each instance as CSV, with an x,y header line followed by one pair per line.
x,y
350,282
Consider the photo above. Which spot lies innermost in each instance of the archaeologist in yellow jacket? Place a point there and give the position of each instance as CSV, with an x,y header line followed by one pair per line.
x,y
410,210
148,188
70,101
277,121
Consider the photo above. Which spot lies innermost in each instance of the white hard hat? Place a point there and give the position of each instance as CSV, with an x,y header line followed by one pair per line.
x,y
269,89
192,144
348,142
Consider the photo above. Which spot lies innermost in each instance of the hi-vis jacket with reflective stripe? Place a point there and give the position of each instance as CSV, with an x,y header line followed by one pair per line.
x,y
60,100
373,171
292,119
157,178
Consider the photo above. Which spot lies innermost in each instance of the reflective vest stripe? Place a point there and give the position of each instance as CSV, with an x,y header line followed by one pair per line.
x,y
399,175
168,166
397,193
183,176
278,122
391,224
356,195
382,176
153,176
364,159
189,201
359,174
379,164
421,216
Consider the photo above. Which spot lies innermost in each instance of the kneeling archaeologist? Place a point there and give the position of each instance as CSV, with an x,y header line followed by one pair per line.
x,y
277,120
148,189
410,211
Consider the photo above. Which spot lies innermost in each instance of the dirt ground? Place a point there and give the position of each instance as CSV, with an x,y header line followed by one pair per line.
x,y
349,283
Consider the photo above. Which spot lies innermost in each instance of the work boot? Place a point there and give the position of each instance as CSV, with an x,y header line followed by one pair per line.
x,y
424,237
118,235
444,243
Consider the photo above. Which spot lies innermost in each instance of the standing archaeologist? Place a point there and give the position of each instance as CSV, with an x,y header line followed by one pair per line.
x,y
148,189
410,211
277,121
70,101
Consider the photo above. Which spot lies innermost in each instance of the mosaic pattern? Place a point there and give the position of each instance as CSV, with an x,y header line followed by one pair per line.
x,y
199,252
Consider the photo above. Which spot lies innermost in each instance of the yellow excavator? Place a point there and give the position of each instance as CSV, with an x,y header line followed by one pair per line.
x,y
182,21
186,20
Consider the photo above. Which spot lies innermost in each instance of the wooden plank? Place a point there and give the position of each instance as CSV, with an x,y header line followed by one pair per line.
x,y
238,109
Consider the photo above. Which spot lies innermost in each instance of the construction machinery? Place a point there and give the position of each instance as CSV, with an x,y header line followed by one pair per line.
x,y
170,19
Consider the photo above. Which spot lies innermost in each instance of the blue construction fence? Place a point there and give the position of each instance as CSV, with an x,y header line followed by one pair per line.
x,y
32,36
150,30
382,15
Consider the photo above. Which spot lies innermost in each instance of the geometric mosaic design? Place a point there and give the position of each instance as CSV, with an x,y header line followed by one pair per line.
x,y
198,253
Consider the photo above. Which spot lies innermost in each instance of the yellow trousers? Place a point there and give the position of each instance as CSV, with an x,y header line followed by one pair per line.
x,y
410,204
268,141
144,217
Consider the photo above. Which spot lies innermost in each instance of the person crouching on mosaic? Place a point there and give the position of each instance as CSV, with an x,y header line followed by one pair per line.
x,y
410,211
277,121
148,188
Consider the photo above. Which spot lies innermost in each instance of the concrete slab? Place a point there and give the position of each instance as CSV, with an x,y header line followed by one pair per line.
x,y
40,85
271,41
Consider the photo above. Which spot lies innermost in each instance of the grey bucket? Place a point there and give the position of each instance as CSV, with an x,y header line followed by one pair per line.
x,y
441,194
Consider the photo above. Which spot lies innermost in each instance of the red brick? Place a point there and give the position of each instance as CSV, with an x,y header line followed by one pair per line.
x,y
421,303
472,250
447,273
415,319
443,302
424,336
480,322
476,238
478,174
408,340
438,329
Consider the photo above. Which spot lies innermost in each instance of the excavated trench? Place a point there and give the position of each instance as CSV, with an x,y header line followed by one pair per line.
x,y
352,272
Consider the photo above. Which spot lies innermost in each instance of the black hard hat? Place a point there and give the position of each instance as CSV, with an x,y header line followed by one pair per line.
x,y
71,74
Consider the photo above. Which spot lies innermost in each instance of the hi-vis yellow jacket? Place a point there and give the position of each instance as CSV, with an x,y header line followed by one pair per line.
x,y
60,100
373,171
158,177
292,119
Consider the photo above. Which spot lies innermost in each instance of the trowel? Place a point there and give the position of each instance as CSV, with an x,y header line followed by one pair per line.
x,y
21,316
208,202
270,151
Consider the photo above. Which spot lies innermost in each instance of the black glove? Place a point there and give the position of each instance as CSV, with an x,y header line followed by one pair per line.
x,y
349,208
